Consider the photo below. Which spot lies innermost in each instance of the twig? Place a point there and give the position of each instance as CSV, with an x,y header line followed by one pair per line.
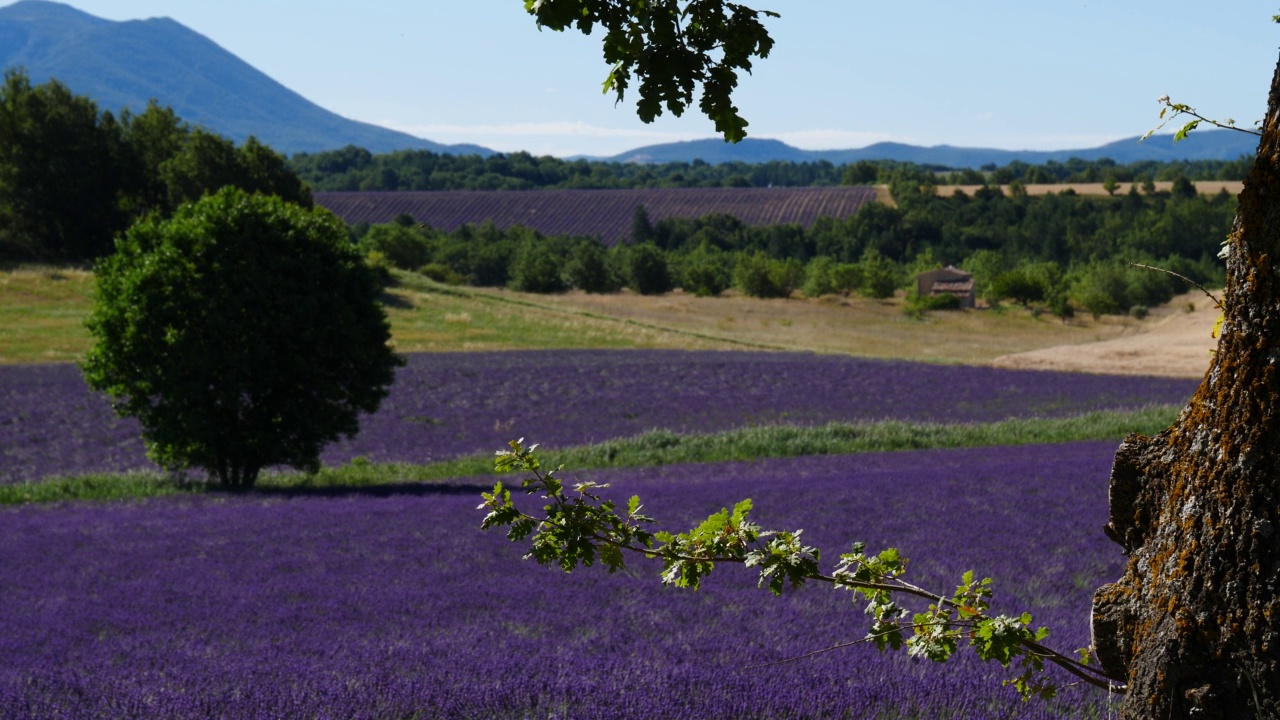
x,y
1180,109
1216,302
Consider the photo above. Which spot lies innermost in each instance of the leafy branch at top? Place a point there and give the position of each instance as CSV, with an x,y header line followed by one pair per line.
x,y
1180,109
578,526
671,47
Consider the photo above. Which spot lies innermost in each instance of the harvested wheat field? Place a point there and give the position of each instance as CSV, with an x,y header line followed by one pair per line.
x,y
1204,187
1174,341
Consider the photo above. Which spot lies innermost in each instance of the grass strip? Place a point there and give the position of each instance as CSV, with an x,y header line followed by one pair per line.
x,y
413,281
662,447
657,447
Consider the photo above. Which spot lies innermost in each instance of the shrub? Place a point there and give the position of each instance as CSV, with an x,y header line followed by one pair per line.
x,y
1101,288
537,269
380,266
706,271
441,273
242,333
847,277
985,265
1149,287
819,278
751,276
402,246
917,306
589,269
879,276
788,275
647,269
1138,312
1061,307
945,301
758,275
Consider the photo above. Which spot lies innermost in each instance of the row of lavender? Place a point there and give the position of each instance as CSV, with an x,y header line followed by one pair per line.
x,y
446,405
393,605
605,214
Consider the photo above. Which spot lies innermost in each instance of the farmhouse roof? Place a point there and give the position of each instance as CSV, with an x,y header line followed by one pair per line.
x,y
958,286
603,213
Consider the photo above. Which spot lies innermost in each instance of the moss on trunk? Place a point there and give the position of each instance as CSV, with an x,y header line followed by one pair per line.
x,y
1193,626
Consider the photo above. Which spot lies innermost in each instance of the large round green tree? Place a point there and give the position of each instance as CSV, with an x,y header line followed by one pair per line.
x,y
244,332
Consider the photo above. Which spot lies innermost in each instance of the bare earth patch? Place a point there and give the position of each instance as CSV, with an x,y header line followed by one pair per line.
x,y
1172,342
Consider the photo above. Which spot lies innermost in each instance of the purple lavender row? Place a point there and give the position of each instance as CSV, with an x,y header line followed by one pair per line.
x,y
603,213
393,604
451,404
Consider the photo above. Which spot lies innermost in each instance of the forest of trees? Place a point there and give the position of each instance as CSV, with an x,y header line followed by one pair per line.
x,y
353,168
1054,252
73,178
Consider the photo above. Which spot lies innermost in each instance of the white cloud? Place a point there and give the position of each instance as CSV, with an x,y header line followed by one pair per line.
x,y
559,138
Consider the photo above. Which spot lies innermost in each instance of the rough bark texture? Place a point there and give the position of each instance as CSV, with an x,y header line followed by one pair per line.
x,y
1193,626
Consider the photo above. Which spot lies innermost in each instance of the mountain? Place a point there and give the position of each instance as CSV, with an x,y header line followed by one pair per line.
x,y
1199,145
124,64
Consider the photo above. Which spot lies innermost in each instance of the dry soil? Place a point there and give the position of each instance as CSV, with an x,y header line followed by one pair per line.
x,y
1174,342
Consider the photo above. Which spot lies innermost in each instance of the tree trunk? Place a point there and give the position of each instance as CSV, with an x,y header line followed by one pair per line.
x,y
1193,626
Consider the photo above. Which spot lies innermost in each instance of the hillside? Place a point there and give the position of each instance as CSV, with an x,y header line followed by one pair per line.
x,y
1200,145
125,64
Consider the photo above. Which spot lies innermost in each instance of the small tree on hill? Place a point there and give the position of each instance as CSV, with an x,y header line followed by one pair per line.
x,y
589,268
242,333
647,270
536,268
641,227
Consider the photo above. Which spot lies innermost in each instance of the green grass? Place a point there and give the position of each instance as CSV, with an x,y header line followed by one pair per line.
x,y
659,447
42,312
43,309
427,316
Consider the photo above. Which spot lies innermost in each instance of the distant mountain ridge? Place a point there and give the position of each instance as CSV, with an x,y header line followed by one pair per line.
x,y
124,64
1199,145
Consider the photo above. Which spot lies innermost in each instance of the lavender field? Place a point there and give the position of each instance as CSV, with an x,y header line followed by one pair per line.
x,y
603,213
392,604
446,405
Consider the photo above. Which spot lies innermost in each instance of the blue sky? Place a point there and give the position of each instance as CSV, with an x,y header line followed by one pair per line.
x,y
1019,74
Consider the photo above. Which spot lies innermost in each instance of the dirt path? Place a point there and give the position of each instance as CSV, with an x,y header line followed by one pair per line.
x,y
1174,343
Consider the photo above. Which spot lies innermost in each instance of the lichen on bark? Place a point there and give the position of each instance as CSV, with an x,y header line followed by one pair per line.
x,y
1193,625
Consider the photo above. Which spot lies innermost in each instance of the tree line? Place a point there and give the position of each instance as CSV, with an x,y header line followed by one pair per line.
x,y
73,178
352,168
1055,252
